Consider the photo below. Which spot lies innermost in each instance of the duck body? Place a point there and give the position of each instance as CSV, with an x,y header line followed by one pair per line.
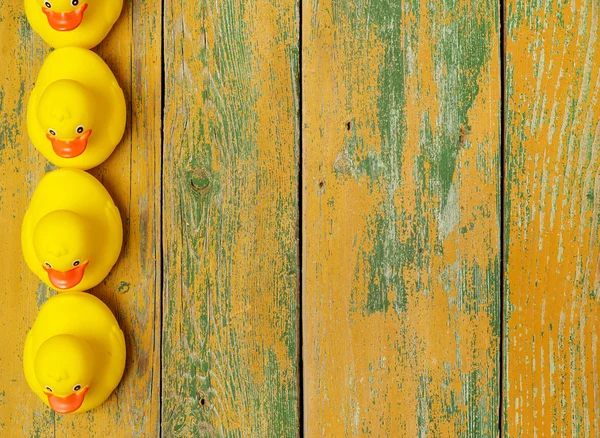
x,y
72,232
77,23
74,354
76,113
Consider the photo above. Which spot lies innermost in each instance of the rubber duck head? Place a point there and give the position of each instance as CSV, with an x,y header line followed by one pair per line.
x,y
64,369
62,244
66,111
63,15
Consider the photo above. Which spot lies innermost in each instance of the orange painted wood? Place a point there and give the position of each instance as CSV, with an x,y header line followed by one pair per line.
x,y
551,384
400,221
401,218
21,412
230,218
132,176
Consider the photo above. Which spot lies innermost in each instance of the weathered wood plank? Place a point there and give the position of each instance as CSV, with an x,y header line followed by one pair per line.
x,y
21,412
401,217
131,175
230,172
553,201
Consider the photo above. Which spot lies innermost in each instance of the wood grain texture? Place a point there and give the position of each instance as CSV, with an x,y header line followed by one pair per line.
x,y
230,178
401,197
553,201
132,176
21,412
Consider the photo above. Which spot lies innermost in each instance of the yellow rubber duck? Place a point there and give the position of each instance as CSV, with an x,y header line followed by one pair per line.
x,y
77,23
72,232
76,112
74,354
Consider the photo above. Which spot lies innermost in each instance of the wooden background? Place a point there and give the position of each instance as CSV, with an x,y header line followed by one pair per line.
x,y
342,218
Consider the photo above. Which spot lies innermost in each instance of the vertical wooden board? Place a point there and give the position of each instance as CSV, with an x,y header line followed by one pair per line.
x,y
552,215
21,412
230,172
132,176
401,129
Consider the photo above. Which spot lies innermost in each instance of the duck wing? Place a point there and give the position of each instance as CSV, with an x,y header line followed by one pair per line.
x,y
117,339
113,226
117,349
116,95
111,211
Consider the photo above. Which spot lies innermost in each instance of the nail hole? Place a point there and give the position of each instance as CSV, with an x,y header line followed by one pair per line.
x,y
202,402
348,126
321,184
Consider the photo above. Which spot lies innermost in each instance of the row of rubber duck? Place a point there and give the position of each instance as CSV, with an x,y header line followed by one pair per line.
x,y
74,354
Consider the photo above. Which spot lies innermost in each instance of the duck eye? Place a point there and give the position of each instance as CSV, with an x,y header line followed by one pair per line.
x,y
76,263
80,127
48,265
51,131
74,2
76,387
48,389
48,5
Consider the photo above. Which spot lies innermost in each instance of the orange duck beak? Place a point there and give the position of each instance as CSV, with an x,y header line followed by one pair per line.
x,y
64,21
68,404
69,148
67,279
